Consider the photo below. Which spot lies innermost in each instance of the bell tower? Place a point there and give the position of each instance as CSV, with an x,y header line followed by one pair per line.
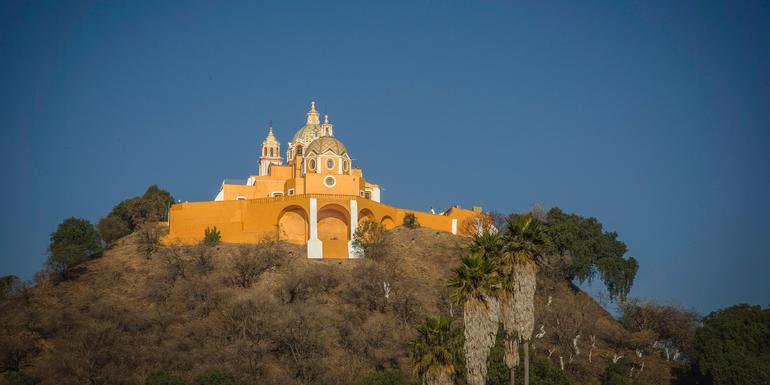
x,y
270,153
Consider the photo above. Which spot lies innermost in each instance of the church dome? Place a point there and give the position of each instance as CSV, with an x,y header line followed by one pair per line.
x,y
307,134
327,143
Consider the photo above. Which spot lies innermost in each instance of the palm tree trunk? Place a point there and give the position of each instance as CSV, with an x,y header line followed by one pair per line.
x,y
526,362
525,284
508,319
481,321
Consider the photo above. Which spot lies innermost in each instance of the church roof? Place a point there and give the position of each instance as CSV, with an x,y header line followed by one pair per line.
x,y
307,133
325,143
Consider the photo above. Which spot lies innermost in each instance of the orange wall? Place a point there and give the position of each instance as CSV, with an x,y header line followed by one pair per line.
x,y
248,221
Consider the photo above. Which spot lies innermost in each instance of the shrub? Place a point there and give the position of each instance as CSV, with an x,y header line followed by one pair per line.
x,y
215,377
211,237
410,221
617,374
386,377
370,238
18,378
112,228
130,214
147,239
733,347
163,378
202,259
73,242
251,261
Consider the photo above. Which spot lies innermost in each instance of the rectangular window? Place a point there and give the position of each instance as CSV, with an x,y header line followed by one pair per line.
x,y
291,191
368,195
240,198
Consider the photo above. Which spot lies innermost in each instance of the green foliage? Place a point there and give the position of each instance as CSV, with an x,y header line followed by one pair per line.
x,y
163,378
733,347
617,373
437,347
410,221
488,244
387,377
523,240
130,214
73,242
18,378
211,237
541,370
474,278
591,250
215,377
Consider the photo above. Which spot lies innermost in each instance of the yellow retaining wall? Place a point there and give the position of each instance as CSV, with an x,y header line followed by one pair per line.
x,y
251,220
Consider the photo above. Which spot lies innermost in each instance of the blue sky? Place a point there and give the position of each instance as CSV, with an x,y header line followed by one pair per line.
x,y
652,116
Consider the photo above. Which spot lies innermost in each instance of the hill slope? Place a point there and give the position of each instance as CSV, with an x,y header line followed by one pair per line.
x,y
187,310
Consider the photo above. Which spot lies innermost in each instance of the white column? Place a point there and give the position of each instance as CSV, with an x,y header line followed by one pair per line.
x,y
454,226
314,245
376,194
353,251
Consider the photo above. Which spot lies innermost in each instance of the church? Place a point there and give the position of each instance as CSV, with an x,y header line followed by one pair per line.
x,y
317,197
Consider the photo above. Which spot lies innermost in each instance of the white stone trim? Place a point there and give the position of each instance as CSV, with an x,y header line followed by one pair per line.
x,y
314,245
221,195
353,251
376,194
454,226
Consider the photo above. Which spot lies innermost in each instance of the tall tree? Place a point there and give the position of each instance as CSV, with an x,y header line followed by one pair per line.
x,y
476,284
733,347
523,242
435,350
590,251
74,241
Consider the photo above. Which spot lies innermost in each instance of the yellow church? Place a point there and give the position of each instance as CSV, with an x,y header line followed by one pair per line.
x,y
317,198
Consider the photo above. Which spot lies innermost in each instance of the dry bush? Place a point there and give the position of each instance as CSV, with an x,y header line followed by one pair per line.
x,y
202,258
147,239
250,261
92,355
377,339
369,286
477,224
200,295
370,238
17,349
305,281
175,262
299,337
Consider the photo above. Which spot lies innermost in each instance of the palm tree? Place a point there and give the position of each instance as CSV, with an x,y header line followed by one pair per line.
x,y
476,283
435,351
523,243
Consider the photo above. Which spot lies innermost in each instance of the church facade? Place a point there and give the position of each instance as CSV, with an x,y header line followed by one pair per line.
x,y
316,198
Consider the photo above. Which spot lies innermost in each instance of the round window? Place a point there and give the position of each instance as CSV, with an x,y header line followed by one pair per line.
x,y
329,181
311,164
330,163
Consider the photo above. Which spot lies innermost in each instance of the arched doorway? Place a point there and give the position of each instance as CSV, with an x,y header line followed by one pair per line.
x,y
388,223
293,225
334,231
366,215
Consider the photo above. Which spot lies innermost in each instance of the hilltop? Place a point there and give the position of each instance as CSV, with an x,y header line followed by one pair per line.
x,y
187,310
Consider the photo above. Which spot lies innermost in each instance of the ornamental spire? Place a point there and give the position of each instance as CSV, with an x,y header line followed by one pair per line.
x,y
312,116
